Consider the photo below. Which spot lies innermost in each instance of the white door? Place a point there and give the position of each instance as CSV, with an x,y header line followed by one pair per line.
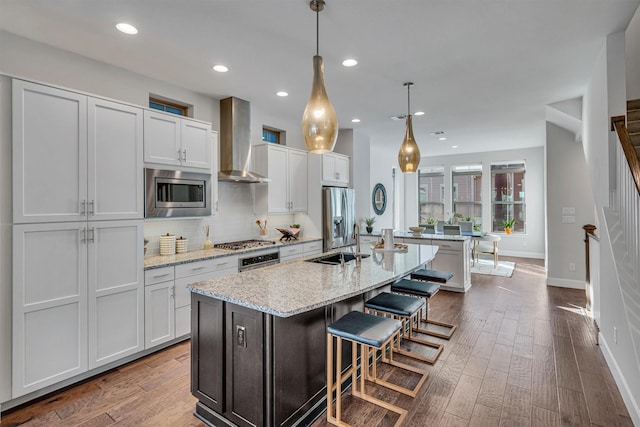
x,y
159,314
116,189
162,138
49,304
297,181
196,144
116,284
49,154
278,172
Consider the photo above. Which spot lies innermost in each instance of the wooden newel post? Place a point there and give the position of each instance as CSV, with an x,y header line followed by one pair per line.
x,y
588,229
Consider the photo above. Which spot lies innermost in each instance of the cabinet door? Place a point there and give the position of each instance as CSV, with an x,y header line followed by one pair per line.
x,y
451,261
115,140
215,167
116,283
278,187
196,144
49,153
159,320
342,169
49,304
297,181
162,138
328,167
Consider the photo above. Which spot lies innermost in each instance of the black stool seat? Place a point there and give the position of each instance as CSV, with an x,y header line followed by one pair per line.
x,y
432,275
365,328
415,287
401,305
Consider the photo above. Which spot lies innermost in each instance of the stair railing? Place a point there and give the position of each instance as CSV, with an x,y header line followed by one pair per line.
x,y
618,123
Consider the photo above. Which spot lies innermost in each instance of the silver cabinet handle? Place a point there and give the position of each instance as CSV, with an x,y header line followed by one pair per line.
x,y
184,157
198,268
92,210
179,155
83,207
93,235
220,264
157,276
84,234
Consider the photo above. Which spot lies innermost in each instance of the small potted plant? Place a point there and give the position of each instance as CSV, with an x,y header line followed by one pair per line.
x,y
369,223
508,225
431,221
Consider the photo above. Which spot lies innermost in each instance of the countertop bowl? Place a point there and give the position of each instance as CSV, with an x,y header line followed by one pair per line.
x,y
416,230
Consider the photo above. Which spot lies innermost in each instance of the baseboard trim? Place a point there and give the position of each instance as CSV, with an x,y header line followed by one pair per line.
x,y
519,254
627,397
565,283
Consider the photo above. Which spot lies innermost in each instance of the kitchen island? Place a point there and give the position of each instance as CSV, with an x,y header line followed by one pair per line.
x,y
259,337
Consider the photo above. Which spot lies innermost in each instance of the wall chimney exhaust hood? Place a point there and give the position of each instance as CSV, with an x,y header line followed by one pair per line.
x,y
235,142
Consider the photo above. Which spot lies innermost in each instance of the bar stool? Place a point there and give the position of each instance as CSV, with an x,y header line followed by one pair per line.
x,y
406,309
427,290
369,333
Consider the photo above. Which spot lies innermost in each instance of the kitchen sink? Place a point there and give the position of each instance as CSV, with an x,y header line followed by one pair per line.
x,y
335,258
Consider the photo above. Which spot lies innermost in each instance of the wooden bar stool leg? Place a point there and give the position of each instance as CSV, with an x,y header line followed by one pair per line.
x,y
329,377
425,319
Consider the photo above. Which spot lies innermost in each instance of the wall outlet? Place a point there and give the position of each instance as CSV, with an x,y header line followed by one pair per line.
x,y
615,335
572,266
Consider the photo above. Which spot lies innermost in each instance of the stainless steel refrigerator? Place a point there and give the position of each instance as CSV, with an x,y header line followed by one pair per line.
x,y
338,217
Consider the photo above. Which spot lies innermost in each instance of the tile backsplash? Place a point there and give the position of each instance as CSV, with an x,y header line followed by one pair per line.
x,y
235,220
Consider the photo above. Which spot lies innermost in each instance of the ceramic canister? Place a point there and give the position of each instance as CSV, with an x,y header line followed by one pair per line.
x,y
387,235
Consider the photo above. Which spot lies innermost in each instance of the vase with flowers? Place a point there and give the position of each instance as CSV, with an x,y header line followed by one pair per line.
x,y
508,225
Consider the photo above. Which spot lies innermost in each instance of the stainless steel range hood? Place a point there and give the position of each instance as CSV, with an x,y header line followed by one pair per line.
x,y
235,142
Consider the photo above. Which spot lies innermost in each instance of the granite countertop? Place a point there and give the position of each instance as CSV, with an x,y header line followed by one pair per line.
x,y
298,286
159,261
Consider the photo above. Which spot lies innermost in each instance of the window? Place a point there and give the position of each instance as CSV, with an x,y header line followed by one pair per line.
x,y
431,194
507,195
168,107
273,135
466,191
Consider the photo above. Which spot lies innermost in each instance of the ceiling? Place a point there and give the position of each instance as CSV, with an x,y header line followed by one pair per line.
x,y
483,71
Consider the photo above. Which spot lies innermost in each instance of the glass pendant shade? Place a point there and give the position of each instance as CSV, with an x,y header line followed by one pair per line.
x,y
319,121
409,154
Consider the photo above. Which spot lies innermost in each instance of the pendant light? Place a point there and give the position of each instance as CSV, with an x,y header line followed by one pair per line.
x,y
409,154
319,121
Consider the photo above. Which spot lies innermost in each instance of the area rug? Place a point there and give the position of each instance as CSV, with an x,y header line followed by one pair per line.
x,y
485,266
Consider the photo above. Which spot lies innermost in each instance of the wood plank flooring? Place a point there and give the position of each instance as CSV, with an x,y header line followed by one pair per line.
x,y
524,354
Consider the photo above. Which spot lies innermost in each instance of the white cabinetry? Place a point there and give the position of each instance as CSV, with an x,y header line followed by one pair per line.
x,y
77,299
74,157
287,168
291,251
335,169
167,300
177,141
453,256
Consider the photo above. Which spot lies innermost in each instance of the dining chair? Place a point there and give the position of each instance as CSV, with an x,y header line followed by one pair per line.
x,y
487,244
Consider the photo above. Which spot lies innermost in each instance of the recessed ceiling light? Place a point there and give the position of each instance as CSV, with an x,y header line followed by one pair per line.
x,y
438,132
355,120
220,68
126,28
442,138
282,93
349,62
419,113
454,146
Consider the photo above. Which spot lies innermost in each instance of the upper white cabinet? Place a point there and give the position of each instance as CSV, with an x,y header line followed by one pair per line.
x,y
287,169
74,157
335,169
177,141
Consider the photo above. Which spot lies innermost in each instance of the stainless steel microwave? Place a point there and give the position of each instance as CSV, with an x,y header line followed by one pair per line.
x,y
171,193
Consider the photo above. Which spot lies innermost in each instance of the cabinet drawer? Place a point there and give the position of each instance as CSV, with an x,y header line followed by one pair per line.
x,y
183,296
183,321
287,252
312,248
206,266
448,245
158,275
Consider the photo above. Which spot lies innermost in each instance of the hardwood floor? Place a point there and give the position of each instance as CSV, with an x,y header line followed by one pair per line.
x,y
524,354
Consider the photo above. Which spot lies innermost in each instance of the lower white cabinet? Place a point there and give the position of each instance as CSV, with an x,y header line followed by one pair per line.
x,y
167,300
293,251
77,299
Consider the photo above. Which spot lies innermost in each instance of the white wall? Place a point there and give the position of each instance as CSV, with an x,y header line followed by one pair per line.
x,y
383,160
604,97
567,187
632,56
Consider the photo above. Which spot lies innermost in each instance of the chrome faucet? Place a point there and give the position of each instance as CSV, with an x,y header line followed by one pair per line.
x,y
356,235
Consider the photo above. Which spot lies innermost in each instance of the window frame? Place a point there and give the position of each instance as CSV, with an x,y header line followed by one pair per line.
x,y
471,169
514,205
184,109
437,171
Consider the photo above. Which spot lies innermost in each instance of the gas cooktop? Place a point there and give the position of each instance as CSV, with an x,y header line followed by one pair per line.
x,y
243,244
